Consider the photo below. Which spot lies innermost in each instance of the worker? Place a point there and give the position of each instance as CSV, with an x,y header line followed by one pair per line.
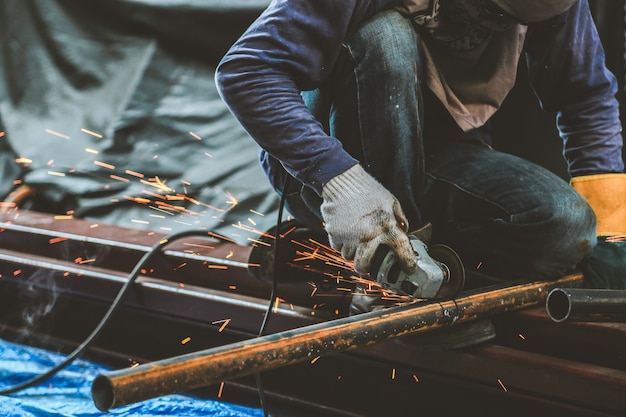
x,y
373,119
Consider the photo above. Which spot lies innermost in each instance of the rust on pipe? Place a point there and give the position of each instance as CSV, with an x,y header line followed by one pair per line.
x,y
592,305
182,373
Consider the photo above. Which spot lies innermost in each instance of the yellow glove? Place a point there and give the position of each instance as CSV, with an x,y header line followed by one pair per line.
x,y
606,193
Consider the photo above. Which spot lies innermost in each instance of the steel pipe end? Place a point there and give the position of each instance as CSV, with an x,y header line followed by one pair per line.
x,y
558,305
102,393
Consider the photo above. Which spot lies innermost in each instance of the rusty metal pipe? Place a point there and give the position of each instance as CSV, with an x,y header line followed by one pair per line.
x,y
580,304
194,370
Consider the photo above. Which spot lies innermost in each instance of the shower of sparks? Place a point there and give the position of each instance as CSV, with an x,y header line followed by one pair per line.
x,y
92,133
58,134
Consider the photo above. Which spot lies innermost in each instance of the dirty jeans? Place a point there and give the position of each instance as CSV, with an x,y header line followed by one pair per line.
x,y
507,218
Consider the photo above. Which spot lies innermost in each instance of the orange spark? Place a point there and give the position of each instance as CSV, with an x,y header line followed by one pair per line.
x,y
393,373
57,174
22,160
2,134
92,133
257,213
55,133
63,217
195,135
93,151
416,378
17,272
219,393
104,164
315,359
195,245
118,178
140,221
134,174
502,385
185,340
157,183
521,336
223,322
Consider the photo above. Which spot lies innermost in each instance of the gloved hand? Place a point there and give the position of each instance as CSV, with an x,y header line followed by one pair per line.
x,y
606,193
361,215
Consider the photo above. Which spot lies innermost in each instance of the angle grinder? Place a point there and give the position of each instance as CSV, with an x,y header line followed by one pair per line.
x,y
439,274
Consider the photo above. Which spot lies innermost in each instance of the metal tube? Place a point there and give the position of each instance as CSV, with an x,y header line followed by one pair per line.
x,y
194,370
579,304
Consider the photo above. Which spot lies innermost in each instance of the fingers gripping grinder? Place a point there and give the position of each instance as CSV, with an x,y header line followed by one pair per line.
x,y
439,274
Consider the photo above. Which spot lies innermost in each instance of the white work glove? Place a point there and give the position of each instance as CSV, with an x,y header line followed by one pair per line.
x,y
361,215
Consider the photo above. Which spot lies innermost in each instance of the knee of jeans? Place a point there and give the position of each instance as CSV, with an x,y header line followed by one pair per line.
x,y
391,40
570,226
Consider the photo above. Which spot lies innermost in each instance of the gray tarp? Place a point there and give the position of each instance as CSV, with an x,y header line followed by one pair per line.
x,y
100,98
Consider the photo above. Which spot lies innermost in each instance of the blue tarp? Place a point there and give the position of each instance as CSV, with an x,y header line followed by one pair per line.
x,y
69,392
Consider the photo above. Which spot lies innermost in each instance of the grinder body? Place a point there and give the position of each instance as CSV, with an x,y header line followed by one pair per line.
x,y
439,274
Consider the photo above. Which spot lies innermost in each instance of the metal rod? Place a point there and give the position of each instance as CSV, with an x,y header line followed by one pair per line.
x,y
579,304
194,370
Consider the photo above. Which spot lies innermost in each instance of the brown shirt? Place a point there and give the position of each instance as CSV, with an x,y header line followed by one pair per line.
x,y
469,68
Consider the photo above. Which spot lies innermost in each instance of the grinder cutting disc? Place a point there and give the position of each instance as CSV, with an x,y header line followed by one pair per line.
x,y
455,280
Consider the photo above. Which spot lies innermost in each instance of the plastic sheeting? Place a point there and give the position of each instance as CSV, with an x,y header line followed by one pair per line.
x,y
68,394
109,111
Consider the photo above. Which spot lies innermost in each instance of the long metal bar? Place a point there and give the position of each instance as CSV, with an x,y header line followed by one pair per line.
x,y
580,304
187,372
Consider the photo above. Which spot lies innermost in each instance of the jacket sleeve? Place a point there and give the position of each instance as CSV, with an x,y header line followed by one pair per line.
x,y
568,72
290,48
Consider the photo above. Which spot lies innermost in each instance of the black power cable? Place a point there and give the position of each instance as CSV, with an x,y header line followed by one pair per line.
x,y
274,290
132,277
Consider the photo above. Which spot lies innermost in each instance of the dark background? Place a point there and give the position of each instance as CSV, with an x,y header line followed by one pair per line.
x,y
523,129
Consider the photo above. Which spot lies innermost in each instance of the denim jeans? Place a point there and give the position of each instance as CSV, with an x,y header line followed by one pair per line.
x,y
507,218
